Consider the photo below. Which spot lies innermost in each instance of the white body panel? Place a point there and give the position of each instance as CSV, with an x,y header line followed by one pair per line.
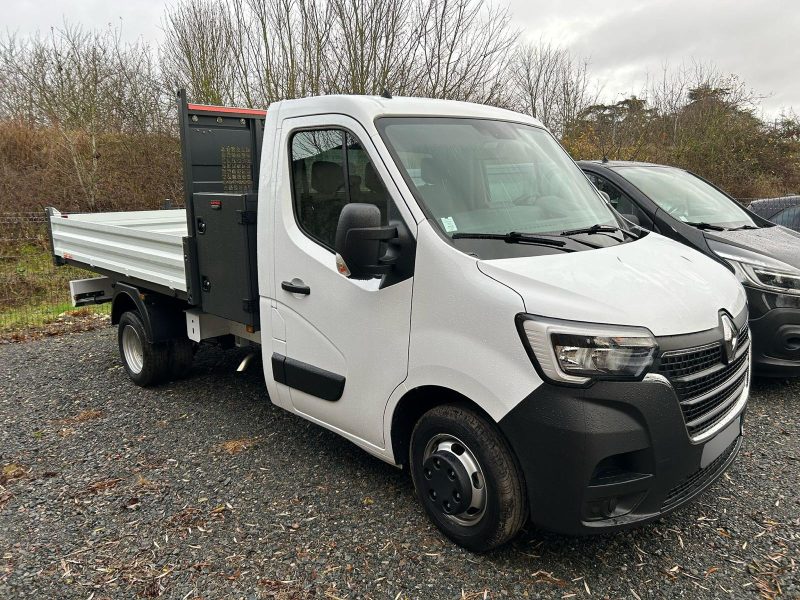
x,y
146,245
653,282
463,335
344,326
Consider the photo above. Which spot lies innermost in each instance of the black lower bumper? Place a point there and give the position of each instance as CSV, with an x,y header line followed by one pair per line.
x,y
612,455
775,331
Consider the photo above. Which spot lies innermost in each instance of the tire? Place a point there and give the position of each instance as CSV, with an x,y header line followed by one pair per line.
x,y
475,493
146,363
181,357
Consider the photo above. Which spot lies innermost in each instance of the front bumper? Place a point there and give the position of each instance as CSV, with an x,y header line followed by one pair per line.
x,y
775,328
615,454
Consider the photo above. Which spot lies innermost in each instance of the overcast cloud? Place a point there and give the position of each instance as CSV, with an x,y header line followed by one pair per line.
x,y
625,40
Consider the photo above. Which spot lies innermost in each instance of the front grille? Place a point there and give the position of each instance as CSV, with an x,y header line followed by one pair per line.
x,y
706,387
696,386
702,416
678,364
698,479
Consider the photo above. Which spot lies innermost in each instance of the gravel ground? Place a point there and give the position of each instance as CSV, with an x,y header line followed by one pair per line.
x,y
201,488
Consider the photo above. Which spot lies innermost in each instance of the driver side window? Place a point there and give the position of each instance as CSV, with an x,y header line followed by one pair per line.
x,y
330,169
619,199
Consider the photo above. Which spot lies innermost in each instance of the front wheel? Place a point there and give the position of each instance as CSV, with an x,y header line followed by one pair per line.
x,y
146,363
467,478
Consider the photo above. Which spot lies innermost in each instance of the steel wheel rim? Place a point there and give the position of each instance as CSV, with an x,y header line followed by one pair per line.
x,y
450,443
132,349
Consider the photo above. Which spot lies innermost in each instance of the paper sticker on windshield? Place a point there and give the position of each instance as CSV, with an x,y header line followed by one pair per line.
x,y
449,224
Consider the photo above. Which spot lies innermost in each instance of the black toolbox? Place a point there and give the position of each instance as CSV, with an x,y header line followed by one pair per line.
x,y
226,272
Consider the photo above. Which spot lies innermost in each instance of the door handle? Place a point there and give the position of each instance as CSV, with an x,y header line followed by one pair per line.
x,y
296,288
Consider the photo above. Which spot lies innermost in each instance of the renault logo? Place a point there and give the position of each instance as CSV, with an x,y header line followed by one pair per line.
x,y
729,338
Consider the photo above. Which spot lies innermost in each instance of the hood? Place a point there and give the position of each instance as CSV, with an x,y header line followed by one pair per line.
x,y
775,242
652,282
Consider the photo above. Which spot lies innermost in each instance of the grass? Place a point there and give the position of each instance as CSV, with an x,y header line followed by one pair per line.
x,y
34,293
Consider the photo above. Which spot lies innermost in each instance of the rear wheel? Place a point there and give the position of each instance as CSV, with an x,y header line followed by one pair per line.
x,y
467,478
146,363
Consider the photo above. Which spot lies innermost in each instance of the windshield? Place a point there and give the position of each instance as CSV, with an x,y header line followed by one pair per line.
x,y
687,197
484,176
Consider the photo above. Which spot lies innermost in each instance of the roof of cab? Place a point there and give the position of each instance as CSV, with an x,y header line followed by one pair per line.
x,y
367,108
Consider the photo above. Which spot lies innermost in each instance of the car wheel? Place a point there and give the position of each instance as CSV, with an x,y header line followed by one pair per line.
x,y
467,477
146,363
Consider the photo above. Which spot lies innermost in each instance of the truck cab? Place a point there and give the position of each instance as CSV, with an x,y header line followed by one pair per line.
x,y
438,282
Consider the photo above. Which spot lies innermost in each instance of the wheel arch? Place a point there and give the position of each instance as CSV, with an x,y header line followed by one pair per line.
x,y
122,303
416,402
162,316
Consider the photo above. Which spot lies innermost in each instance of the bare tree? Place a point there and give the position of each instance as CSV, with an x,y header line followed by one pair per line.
x,y
198,50
466,49
259,51
551,85
82,84
536,73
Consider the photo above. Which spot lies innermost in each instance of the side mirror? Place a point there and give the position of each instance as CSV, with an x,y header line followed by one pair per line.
x,y
358,242
633,219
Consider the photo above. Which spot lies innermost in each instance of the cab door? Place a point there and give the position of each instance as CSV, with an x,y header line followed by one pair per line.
x,y
346,341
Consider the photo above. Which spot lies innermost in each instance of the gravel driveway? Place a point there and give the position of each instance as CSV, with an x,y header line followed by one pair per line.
x,y
203,489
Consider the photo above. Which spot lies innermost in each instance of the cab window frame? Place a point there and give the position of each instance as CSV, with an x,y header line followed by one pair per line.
x,y
622,194
345,132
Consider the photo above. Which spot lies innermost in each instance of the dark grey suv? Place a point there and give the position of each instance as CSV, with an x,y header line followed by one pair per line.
x,y
764,256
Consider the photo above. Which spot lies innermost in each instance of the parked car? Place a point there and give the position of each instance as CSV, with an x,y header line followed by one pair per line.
x,y
765,257
439,283
781,211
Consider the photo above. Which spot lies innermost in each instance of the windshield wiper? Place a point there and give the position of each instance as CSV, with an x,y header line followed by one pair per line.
x,y
704,225
597,228
515,237
744,227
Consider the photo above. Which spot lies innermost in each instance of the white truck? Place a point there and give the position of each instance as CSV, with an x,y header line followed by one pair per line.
x,y
439,283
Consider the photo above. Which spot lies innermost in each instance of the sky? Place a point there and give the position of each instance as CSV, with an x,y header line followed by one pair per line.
x,y
625,41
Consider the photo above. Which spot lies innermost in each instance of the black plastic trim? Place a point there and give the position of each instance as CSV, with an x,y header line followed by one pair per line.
x,y
160,314
307,378
561,436
295,288
687,341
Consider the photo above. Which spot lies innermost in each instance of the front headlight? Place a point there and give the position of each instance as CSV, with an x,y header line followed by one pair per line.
x,y
764,276
779,281
575,353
